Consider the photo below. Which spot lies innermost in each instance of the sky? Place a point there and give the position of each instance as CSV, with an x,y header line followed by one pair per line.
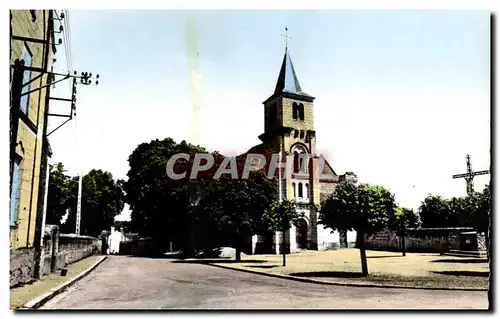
x,y
401,96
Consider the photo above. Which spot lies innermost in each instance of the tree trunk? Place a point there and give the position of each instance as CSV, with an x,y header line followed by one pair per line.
x,y
238,249
487,240
238,253
283,247
362,252
403,242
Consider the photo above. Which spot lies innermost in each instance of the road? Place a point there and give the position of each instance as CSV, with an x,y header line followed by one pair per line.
x,y
122,282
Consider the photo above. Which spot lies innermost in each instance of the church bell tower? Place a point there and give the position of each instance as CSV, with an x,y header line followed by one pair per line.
x,y
289,126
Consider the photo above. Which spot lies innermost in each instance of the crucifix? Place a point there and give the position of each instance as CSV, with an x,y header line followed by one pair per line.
x,y
469,176
286,37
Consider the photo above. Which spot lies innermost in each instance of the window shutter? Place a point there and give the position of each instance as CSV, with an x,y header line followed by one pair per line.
x,y
14,193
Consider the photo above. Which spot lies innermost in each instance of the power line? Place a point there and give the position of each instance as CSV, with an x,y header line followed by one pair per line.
x,y
68,27
65,42
67,46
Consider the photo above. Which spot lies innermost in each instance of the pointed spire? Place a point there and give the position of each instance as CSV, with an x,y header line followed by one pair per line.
x,y
287,79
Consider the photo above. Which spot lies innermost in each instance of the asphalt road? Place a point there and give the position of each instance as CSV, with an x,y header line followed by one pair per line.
x,y
122,282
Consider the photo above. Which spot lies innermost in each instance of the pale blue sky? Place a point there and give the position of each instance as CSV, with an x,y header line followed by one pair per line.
x,y
401,96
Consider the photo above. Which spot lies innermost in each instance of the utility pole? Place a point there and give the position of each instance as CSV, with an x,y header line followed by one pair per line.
x,y
469,176
19,89
46,195
44,217
280,158
79,205
283,231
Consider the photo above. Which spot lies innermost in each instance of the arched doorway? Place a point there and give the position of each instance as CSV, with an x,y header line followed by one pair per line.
x,y
301,234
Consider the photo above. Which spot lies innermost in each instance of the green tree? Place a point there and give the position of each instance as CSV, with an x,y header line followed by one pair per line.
x,y
364,208
279,217
59,195
436,211
470,211
102,201
233,208
479,208
160,206
405,218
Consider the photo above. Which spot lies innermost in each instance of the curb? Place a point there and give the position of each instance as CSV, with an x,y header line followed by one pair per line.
x,y
320,282
41,300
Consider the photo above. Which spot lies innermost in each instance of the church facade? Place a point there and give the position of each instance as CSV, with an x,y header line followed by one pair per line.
x,y
289,129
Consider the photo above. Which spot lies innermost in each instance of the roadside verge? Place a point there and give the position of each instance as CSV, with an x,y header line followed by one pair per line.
x,y
319,281
42,299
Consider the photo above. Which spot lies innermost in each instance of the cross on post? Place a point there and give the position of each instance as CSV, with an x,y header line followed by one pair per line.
x,y
286,37
469,176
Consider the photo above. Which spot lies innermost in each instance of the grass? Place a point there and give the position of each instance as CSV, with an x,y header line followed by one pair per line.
x,y
385,268
20,295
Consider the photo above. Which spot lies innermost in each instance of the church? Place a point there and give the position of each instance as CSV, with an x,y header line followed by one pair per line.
x,y
289,129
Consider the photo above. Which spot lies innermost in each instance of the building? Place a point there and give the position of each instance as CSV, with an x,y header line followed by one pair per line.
x,y
114,239
31,52
32,47
289,128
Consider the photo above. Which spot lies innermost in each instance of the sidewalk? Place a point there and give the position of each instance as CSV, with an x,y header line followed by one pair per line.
x,y
20,295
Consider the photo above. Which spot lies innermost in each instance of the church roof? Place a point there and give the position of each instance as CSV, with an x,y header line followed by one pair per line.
x,y
287,79
257,149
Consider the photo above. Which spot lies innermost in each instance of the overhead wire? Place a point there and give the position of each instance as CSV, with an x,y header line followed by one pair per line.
x,y
70,40
75,132
70,61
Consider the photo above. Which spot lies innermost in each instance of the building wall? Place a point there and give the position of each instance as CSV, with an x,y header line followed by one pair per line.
x,y
327,239
22,266
30,129
287,109
114,240
325,189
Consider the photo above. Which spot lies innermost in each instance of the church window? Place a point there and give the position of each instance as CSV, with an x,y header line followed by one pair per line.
x,y
295,111
307,190
273,114
296,134
296,163
301,111
301,134
304,163
294,192
300,190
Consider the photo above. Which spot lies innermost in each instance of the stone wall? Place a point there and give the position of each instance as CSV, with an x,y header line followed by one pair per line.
x,y
76,247
418,240
58,250
138,247
325,189
22,266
